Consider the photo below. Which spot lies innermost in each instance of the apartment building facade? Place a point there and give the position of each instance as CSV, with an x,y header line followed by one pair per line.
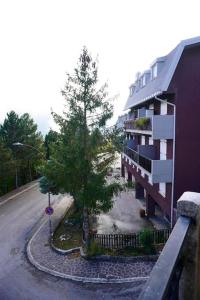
x,y
162,134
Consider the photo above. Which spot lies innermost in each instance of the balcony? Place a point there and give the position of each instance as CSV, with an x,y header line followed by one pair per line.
x,y
160,170
159,126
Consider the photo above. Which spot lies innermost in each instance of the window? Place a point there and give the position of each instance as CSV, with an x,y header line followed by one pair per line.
x,y
154,70
132,89
163,108
143,140
150,140
151,106
143,80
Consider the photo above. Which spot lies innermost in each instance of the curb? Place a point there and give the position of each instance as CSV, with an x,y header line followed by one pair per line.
x,y
109,279
77,278
19,193
60,251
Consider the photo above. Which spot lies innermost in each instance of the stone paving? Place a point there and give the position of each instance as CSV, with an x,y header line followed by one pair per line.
x,y
77,268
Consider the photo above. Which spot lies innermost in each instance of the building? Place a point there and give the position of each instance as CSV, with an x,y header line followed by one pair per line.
x,y
162,144
120,121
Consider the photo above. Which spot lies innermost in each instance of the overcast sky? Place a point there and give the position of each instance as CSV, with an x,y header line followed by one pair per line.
x,y
40,40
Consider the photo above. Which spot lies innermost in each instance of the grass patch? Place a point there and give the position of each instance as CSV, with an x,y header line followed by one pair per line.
x,y
68,234
95,250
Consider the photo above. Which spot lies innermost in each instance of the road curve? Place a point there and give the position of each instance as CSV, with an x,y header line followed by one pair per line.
x,y
19,280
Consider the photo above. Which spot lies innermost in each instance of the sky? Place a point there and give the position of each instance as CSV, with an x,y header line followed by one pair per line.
x,y
41,40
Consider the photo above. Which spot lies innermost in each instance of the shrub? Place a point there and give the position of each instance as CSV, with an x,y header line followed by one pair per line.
x,y
142,213
130,185
94,249
142,123
146,239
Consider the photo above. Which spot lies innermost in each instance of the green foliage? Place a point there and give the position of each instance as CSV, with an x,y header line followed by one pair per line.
x,y
7,171
47,186
146,239
18,160
86,148
142,123
51,139
94,249
130,185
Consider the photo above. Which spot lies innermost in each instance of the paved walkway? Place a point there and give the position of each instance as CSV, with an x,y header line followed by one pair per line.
x,y
14,193
77,268
124,217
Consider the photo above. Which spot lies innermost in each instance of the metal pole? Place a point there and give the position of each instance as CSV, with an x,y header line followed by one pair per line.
x,y
16,177
49,202
50,227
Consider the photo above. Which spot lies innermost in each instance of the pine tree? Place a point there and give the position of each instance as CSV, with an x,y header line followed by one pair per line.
x,y
85,152
25,160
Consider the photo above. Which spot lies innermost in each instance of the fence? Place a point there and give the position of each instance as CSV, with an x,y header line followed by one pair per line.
x,y
119,241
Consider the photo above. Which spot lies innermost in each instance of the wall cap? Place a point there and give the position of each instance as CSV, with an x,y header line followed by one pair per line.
x,y
188,205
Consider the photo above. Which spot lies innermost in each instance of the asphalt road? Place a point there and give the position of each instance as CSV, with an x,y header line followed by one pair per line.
x,y
19,217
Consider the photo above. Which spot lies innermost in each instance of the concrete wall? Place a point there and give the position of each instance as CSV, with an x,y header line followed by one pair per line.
x,y
186,87
162,171
163,202
163,127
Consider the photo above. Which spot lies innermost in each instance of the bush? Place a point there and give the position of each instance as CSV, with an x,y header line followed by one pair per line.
x,y
130,185
94,249
142,123
142,213
146,239
76,218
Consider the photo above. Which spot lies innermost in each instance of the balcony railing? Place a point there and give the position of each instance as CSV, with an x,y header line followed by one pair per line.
x,y
161,126
141,160
176,274
139,124
160,170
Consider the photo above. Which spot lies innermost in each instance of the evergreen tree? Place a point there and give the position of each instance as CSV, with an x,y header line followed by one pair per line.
x,y
25,159
7,170
85,152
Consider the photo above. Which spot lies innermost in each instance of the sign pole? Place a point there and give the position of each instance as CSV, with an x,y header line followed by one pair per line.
x,y
49,211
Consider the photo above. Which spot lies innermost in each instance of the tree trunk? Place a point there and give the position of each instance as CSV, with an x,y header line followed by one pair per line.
x,y
86,229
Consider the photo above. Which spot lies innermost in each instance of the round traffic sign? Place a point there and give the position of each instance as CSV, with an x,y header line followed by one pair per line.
x,y
49,210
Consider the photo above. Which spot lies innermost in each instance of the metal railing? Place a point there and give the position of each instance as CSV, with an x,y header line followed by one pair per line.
x,y
141,160
119,241
164,279
132,124
176,274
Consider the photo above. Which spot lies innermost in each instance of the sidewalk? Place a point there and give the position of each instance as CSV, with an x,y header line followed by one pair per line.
x,y
76,268
14,193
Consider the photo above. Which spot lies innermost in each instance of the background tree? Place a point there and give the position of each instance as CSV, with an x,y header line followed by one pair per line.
x,y
51,139
24,160
7,171
85,151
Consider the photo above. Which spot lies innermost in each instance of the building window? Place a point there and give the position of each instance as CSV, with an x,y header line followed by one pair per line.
x,y
154,71
150,140
163,108
162,188
143,140
143,80
132,89
151,106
